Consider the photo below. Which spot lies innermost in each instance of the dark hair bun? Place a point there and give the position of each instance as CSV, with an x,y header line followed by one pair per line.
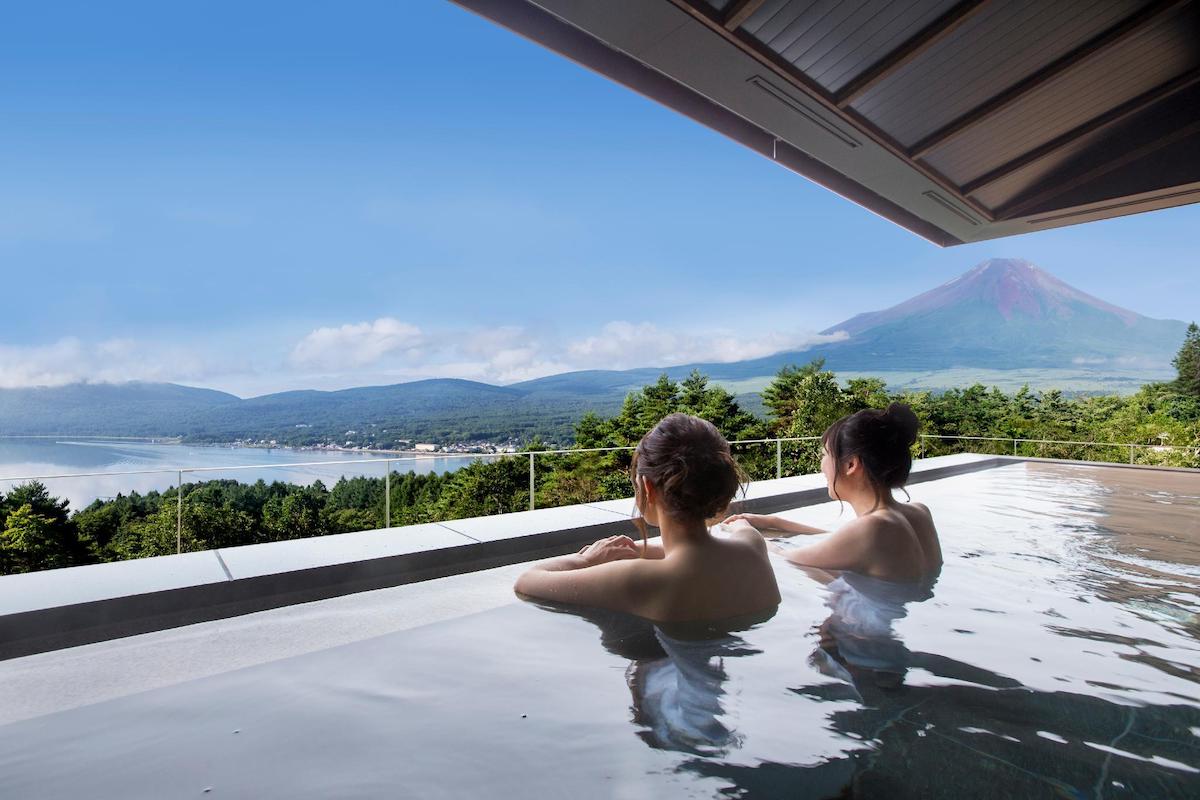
x,y
882,439
903,422
690,464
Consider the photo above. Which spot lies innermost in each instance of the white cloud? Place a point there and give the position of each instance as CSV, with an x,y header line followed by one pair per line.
x,y
357,345
623,345
383,351
72,360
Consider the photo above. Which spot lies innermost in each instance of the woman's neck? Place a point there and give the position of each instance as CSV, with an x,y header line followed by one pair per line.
x,y
676,535
864,501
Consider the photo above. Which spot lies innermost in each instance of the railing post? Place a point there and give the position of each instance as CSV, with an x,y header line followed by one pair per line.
x,y
922,445
1014,447
387,494
779,458
1130,454
179,516
532,481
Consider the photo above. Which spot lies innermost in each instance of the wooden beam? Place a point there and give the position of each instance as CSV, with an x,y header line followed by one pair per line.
x,y
926,38
998,103
1099,123
1022,205
739,12
810,88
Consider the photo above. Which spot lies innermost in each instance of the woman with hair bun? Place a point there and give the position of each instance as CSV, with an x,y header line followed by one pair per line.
x,y
865,457
683,476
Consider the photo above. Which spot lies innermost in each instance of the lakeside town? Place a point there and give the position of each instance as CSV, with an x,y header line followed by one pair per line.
x,y
355,442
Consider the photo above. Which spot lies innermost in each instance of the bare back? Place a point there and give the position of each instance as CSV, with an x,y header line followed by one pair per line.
x,y
895,542
920,520
704,578
903,543
719,578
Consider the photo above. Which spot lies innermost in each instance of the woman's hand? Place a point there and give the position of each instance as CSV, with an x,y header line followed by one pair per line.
x,y
765,522
614,548
759,521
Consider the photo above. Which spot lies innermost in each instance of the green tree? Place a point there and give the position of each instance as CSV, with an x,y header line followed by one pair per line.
x,y
483,488
29,542
1187,363
781,394
294,516
37,530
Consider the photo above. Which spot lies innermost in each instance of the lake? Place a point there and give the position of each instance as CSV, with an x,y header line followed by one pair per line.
x,y
45,457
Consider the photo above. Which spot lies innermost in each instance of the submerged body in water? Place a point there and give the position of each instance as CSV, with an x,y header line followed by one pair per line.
x,y
859,639
676,674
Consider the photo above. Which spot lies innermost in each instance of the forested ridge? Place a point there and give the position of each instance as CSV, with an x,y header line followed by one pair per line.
x,y
39,531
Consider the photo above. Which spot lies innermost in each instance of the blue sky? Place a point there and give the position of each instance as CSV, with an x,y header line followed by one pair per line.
x,y
262,196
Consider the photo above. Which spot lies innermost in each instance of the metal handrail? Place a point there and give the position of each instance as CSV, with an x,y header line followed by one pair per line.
x,y
1056,441
532,455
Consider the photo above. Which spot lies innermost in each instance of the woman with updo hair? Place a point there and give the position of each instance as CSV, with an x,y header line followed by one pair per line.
x,y
865,457
683,476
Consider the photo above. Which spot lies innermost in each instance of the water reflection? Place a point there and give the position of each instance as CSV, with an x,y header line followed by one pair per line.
x,y
859,642
676,675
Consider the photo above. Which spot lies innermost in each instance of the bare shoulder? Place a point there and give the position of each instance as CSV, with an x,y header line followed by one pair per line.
x,y
864,527
745,533
916,512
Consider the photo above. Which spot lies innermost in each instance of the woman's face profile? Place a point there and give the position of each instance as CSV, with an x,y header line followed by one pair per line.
x,y
828,469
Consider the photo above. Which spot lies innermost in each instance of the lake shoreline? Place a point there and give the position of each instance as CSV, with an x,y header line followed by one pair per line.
x,y
178,441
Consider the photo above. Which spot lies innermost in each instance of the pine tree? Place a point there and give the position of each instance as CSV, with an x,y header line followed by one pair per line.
x,y
1187,362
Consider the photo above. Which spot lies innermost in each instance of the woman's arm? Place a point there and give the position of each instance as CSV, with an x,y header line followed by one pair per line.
x,y
606,574
848,549
764,522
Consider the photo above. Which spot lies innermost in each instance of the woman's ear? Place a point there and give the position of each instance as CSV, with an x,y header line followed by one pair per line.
x,y
649,493
851,465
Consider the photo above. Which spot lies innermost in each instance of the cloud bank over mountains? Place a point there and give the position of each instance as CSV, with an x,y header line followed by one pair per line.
x,y
72,360
508,354
388,350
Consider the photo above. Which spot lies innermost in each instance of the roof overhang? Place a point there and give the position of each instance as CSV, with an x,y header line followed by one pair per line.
x,y
961,121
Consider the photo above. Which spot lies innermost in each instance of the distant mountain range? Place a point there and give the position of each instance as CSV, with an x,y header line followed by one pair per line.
x,y
1003,320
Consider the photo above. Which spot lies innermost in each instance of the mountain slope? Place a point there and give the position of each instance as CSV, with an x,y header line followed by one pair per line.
x,y
1004,314
439,409
128,409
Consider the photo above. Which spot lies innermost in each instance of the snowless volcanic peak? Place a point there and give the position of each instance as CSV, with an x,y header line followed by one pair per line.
x,y
1012,286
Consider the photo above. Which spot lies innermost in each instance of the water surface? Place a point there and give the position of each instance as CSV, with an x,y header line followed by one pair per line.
x,y
40,457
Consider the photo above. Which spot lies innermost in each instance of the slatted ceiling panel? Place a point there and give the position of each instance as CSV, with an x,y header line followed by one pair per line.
x,y
1136,65
1174,166
880,35
1003,44
775,15
1100,149
825,36
1006,48
810,25
832,42
1025,179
